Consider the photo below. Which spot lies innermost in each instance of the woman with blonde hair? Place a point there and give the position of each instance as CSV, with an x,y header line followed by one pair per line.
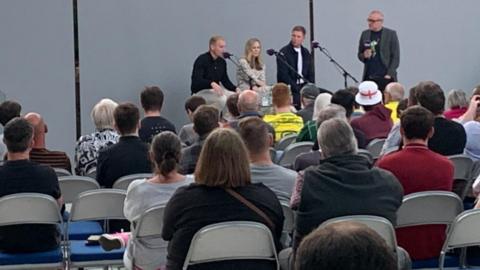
x,y
220,193
251,70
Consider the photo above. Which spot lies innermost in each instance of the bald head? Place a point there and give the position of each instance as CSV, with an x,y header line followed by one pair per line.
x,y
248,101
396,91
39,127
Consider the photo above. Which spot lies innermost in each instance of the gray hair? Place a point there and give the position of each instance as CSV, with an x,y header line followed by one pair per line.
x,y
329,112
396,91
322,101
102,114
457,98
335,137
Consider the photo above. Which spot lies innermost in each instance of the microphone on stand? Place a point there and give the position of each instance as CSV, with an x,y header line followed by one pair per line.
x,y
284,61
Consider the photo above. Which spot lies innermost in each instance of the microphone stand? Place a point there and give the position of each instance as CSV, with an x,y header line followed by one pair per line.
x,y
339,67
282,59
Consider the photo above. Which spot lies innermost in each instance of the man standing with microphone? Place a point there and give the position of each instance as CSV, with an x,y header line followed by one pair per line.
x,y
379,50
298,57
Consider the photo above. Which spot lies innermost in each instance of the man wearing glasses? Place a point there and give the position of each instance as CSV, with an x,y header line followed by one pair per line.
x,y
379,50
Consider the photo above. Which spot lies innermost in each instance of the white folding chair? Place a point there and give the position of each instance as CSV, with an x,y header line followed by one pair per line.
x,y
149,226
92,173
30,208
124,181
100,204
379,224
61,172
462,174
235,240
292,151
285,141
463,232
375,147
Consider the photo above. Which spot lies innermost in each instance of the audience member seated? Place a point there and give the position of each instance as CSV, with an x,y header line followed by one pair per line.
x,y
8,111
205,120
129,155
88,146
232,107
309,130
471,123
254,132
187,134
219,194
153,123
345,246
457,104
39,152
402,106
20,175
344,183
376,122
143,194
394,93
449,137
346,99
358,111
419,169
283,121
308,94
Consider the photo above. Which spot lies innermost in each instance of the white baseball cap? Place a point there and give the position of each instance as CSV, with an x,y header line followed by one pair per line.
x,y
368,94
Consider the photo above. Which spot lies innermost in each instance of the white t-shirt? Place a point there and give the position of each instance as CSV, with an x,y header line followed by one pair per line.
x,y
299,63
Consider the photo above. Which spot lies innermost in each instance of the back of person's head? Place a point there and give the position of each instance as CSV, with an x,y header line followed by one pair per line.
x,y
126,116
166,151
402,105
395,90
329,112
225,149
430,96
18,135
476,91
193,102
102,114
309,93
345,99
9,110
255,135
412,97
281,96
151,99
232,106
205,119
38,124
322,101
248,101
457,98
335,137
417,123
345,246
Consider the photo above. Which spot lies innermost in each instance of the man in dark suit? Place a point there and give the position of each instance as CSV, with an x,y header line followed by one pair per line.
x,y
379,50
129,155
299,58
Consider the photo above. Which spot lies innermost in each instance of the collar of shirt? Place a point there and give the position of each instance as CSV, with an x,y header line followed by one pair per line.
x,y
416,145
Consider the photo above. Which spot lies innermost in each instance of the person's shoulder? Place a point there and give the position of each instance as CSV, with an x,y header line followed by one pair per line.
x,y
270,117
42,170
389,30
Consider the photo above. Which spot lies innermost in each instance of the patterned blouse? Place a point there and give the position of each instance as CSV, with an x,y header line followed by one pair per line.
x,y
88,147
243,80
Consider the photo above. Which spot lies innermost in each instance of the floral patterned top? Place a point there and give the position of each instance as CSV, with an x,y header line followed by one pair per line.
x,y
88,147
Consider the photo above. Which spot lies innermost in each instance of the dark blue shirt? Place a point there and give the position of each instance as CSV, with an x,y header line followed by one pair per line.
x,y
375,66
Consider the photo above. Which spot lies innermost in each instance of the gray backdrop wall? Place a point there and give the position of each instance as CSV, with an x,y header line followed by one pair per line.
x,y
36,63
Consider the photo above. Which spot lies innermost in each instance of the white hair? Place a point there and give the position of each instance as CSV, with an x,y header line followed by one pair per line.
x,y
335,137
102,114
396,91
457,98
322,101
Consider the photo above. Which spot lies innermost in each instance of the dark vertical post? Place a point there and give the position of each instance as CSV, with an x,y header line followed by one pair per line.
x,y
78,122
312,34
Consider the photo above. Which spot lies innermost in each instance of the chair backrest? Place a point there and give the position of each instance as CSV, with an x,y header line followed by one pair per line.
x,y
29,208
285,141
375,147
463,166
124,181
92,173
289,222
464,230
99,204
429,207
236,240
379,224
61,172
150,222
292,151
73,185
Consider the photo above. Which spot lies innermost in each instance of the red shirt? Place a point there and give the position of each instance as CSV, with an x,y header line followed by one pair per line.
x,y
420,169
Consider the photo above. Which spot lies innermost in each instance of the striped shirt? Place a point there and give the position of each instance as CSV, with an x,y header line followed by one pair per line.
x,y
54,159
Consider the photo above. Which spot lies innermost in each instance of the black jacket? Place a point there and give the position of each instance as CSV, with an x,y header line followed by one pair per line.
x,y
285,75
207,70
128,156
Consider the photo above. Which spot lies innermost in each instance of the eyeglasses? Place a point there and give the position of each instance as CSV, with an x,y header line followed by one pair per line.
x,y
374,21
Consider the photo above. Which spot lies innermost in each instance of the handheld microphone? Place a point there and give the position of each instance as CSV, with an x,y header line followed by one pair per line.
x,y
227,55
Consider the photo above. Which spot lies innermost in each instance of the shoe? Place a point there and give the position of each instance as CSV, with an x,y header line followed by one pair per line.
x,y
113,241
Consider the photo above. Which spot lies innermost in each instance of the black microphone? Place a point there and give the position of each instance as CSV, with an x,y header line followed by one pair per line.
x,y
271,52
316,44
227,55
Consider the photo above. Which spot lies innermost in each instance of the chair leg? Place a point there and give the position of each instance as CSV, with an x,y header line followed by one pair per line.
x,y
463,258
441,260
